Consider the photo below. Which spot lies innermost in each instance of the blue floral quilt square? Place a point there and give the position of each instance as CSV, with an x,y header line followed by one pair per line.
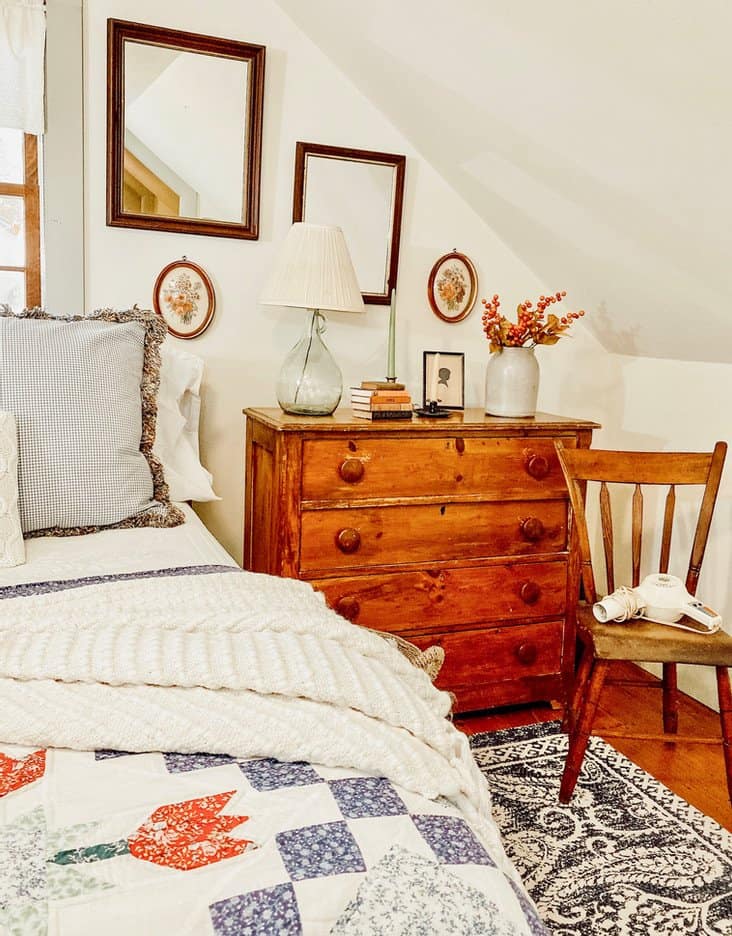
x,y
180,763
363,797
320,851
272,911
270,774
452,840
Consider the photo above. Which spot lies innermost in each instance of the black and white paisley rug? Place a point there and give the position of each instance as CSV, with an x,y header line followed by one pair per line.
x,y
625,858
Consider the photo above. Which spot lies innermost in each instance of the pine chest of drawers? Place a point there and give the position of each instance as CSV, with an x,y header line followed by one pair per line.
x,y
452,532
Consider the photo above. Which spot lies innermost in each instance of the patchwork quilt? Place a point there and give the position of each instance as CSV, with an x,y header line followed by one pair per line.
x,y
333,781
116,843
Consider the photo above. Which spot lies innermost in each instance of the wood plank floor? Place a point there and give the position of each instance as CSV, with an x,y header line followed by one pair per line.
x,y
693,771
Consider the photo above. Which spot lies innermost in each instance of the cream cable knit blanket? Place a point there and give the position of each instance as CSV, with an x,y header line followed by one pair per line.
x,y
218,660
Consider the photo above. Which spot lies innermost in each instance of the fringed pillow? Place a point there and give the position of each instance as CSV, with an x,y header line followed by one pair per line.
x,y
429,660
84,393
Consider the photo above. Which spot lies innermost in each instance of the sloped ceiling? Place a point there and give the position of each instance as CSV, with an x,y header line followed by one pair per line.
x,y
594,138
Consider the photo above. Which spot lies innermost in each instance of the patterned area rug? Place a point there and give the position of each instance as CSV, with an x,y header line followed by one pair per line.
x,y
626,856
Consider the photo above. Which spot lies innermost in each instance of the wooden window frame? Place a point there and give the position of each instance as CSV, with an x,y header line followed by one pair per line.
x,y
29,191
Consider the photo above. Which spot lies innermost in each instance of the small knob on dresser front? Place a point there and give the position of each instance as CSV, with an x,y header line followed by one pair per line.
x,y
530,593
348,607
351,470
526,653
532,529
537,466
348,540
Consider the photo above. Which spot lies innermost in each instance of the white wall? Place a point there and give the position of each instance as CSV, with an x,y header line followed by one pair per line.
x,y
63,160
595,137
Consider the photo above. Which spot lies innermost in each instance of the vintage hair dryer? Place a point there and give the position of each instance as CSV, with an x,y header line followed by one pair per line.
x,y
661,598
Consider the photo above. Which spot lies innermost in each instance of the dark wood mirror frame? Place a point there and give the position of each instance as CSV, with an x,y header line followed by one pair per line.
x,y
303,150
120,31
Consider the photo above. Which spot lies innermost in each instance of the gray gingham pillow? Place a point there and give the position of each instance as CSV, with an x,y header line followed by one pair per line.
x,y
83,391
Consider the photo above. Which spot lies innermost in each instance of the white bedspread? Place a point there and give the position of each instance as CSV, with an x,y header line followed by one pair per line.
x,y
53,557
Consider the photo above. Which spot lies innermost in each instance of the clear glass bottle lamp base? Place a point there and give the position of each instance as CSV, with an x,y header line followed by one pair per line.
x,y
310,382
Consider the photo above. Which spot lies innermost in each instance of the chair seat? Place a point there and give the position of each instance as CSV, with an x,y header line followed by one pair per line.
x,y
652,643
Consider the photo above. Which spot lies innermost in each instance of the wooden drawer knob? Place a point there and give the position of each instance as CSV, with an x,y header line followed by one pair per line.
x,y
530,593
532,529
348,607
351,470
348,540
526,653
459,445
537,466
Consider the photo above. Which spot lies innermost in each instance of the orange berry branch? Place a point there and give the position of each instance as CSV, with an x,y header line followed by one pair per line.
x,y
533,326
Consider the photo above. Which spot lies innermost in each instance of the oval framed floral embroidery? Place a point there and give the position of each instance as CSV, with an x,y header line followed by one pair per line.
x,y
184,297
452,287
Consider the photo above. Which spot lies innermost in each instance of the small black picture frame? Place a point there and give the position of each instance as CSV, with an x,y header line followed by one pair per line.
x,y
448,388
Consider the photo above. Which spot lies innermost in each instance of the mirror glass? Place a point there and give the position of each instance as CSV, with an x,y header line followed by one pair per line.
x,y
361,192
366,221
184,133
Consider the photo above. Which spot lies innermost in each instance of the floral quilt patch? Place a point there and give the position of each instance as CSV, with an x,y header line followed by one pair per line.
x,y
29,878
189,835
15,774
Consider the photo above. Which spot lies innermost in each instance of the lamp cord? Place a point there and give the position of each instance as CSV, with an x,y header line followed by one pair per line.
x,y
314,323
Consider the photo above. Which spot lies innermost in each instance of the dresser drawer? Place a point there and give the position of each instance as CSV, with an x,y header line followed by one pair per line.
x,y
368,536
410,601
498,654
355,469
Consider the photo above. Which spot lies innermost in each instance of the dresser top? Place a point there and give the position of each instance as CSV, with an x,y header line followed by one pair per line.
x,y
469,420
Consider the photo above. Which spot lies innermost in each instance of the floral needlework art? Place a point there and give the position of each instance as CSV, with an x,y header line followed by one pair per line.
x,y
182,296
452,287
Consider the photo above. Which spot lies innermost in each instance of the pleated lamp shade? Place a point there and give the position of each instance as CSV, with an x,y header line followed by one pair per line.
x,y
314,271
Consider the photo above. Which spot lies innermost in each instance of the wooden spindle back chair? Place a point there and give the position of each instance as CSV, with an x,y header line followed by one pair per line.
x,y
640,641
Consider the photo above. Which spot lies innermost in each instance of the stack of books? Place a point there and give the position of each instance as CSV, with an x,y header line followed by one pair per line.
x,y
381,400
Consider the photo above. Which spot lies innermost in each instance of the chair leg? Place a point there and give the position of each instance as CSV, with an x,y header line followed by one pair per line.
x,y
725,716
581,731
670,699
578,689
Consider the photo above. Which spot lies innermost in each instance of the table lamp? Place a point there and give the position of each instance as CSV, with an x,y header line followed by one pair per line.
x,y
314,271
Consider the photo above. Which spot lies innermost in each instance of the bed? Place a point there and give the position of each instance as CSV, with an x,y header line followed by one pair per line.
x,y
113,842
189,748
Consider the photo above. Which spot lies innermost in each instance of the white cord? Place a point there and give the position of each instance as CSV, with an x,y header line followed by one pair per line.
x,y
628,599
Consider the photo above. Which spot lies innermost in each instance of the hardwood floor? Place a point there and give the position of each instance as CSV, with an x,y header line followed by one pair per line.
x,y
692,770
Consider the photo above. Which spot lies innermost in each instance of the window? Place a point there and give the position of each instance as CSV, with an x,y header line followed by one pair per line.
x,y
20,223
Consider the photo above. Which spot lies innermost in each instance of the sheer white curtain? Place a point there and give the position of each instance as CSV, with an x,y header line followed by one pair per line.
x,y
22,45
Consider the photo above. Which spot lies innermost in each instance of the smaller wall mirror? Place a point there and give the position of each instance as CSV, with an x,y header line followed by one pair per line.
x,y
184,127
361,192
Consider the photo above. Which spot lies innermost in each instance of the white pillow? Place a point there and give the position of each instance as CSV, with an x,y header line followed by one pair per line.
x,y
12,547
176,435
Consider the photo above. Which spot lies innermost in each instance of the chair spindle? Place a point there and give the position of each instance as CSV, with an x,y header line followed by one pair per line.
x,y
668,523
637,533
607,536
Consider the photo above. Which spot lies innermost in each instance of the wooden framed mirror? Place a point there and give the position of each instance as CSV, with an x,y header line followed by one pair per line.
x,y
184,131
361,192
